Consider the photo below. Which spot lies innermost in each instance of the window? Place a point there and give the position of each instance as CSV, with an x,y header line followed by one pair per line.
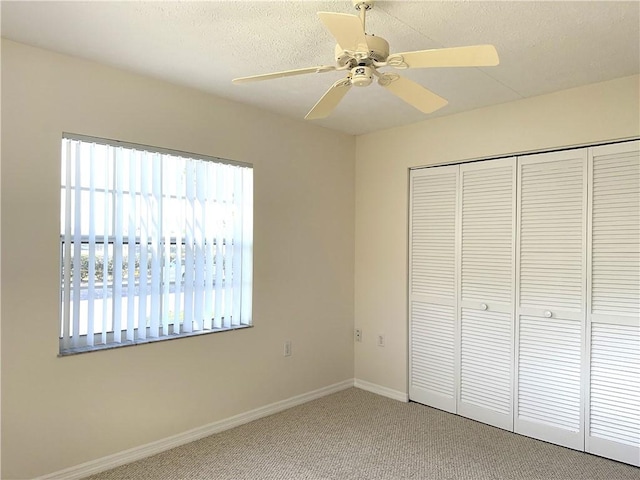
x,y
155,244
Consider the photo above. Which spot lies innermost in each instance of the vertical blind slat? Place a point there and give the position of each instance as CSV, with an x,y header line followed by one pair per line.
x,y
237,242
199,219
228,254
117,246
144,245
131,264
247,246
209,213
166,231
219,192
105,258
207,263
178,227
66,315
92,245
77,245
155,206
189,319
143,161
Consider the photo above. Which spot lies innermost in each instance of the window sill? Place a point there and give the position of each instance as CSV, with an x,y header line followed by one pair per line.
x,y
79,350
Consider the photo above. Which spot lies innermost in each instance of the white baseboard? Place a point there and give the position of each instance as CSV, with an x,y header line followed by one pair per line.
x,y
137,453
380,390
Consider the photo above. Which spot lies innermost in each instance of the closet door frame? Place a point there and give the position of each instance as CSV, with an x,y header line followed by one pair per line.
x,y
533,425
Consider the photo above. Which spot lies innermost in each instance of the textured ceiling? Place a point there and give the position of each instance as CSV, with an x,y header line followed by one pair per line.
x,y
543,46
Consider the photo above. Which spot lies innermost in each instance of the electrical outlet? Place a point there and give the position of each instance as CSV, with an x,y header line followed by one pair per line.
x,y
381,340
287,348
358,335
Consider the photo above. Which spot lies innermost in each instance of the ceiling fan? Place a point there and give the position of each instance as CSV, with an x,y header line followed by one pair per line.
x,y
362,54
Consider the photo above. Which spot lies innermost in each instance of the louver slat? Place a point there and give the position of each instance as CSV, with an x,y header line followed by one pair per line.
x,y
618,204
485,364
487,213
433,347
551,234
615,386
549,372
433,208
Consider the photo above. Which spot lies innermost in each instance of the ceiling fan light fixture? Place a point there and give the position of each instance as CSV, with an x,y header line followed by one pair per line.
x,y
385,79
361,76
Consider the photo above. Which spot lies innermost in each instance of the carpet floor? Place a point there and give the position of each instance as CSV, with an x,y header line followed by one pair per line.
x,y
355,434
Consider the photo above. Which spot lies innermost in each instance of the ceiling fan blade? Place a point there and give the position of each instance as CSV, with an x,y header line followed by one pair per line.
x,y
329,100
286,73
346,29
412,93
473,56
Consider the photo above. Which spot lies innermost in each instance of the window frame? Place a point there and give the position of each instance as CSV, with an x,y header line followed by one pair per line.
x,y
109,339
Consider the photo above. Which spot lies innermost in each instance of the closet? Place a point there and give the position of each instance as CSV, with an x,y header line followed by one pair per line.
x,y
524,295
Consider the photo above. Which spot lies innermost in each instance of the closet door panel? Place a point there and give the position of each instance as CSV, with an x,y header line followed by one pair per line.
x,y
613,317
549,373
432,355
614,394
486,367
432,287
487,250
551,277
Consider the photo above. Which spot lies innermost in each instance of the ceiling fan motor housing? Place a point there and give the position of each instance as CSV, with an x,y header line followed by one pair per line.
x,y
378,51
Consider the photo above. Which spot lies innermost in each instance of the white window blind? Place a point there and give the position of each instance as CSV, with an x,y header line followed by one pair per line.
x,y
155,244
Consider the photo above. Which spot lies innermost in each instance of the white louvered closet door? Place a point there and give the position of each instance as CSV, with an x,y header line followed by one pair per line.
x,y
551,278
613,315
432,287
487,253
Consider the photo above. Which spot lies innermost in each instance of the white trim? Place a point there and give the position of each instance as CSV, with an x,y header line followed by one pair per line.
x,y
457,317
137,453
586,341
615,450
524,153
380,390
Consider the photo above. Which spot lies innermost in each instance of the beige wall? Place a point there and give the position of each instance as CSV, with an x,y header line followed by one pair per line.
x,y
593,113
60,412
